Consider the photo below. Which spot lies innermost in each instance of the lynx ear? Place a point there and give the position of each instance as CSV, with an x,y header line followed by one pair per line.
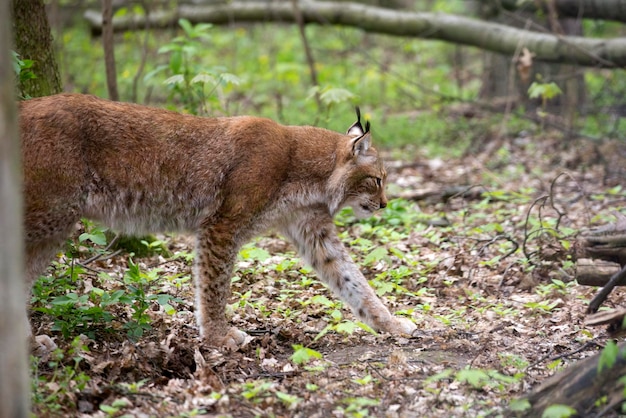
x,y
356,129
361,144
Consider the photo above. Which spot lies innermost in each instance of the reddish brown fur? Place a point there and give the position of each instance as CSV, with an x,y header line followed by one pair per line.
x,y
140,169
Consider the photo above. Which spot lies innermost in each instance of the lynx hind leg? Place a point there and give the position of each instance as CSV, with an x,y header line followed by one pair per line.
x,y
41,246
319,245
215,255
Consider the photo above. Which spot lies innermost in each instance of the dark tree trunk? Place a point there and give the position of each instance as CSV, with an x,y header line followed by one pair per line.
x,y
504,77
33,41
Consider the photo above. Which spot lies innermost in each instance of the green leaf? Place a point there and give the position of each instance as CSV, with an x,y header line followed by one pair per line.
x,y
203,78
254,253
186,25
474,377
376,255
608,356
287,399
558,411
303,355
228,78
346,327
175,79
519,405
322,300
96,236
336,95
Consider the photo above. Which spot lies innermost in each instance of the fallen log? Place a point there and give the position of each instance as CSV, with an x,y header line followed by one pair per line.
x,y
607,243
596,273
589,389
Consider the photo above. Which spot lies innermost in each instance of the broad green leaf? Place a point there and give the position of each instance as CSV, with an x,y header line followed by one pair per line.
x,y
203,78
346,327
558,411
519,405
474,377
303,355
175,79
376,255
336,95
608,356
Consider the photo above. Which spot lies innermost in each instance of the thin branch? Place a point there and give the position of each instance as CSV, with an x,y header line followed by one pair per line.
x,y
462,30
307,51
109,49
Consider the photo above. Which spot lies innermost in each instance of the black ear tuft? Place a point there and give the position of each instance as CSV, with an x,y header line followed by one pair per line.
x,y
356,129
367,127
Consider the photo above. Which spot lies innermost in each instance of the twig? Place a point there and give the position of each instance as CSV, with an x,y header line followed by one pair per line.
x,y
526,233
307,51
101,255
604,292
564,355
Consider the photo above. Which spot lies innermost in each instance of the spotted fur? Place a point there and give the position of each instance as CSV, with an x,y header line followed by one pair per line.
x,y
139,169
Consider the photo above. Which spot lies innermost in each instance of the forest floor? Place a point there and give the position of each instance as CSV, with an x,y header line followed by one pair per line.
x,y
487,276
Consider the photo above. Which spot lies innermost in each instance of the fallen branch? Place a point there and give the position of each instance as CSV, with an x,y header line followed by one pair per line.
x,y
606,290
451,28
443,195
581,386
590,273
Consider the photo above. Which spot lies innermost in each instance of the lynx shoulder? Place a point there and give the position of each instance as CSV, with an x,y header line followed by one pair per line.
x,y
139,169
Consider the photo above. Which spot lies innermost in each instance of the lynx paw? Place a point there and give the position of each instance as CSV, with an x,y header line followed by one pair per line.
x,y
233,340
402,326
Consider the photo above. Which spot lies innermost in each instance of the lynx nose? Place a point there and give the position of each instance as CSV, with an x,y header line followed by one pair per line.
x,y
383,204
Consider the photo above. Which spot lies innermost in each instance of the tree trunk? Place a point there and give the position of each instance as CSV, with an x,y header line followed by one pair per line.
x,y
457,29
33,41
503,78
14,387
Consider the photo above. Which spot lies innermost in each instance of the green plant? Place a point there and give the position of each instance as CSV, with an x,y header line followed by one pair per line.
x,y
191,83
545,91
303,355
256,391
608,356
138,295
558,411
23,69
55,384
358,406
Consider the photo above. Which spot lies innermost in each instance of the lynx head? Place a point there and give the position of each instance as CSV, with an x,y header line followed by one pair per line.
x,y
362,173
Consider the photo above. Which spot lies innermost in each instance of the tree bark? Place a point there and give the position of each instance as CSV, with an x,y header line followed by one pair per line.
x,y
33,40
592,9
457,29
14,387
580,386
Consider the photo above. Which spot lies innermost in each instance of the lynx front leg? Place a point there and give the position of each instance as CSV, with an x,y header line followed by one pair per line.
x,y
318,243
216,251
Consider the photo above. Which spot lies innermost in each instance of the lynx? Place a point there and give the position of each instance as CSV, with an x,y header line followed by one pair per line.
x,y
139,169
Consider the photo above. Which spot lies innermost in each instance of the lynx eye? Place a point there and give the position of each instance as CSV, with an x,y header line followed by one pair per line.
x,y
379,182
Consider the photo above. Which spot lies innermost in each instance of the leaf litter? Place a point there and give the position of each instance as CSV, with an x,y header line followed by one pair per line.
x,y
485,275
